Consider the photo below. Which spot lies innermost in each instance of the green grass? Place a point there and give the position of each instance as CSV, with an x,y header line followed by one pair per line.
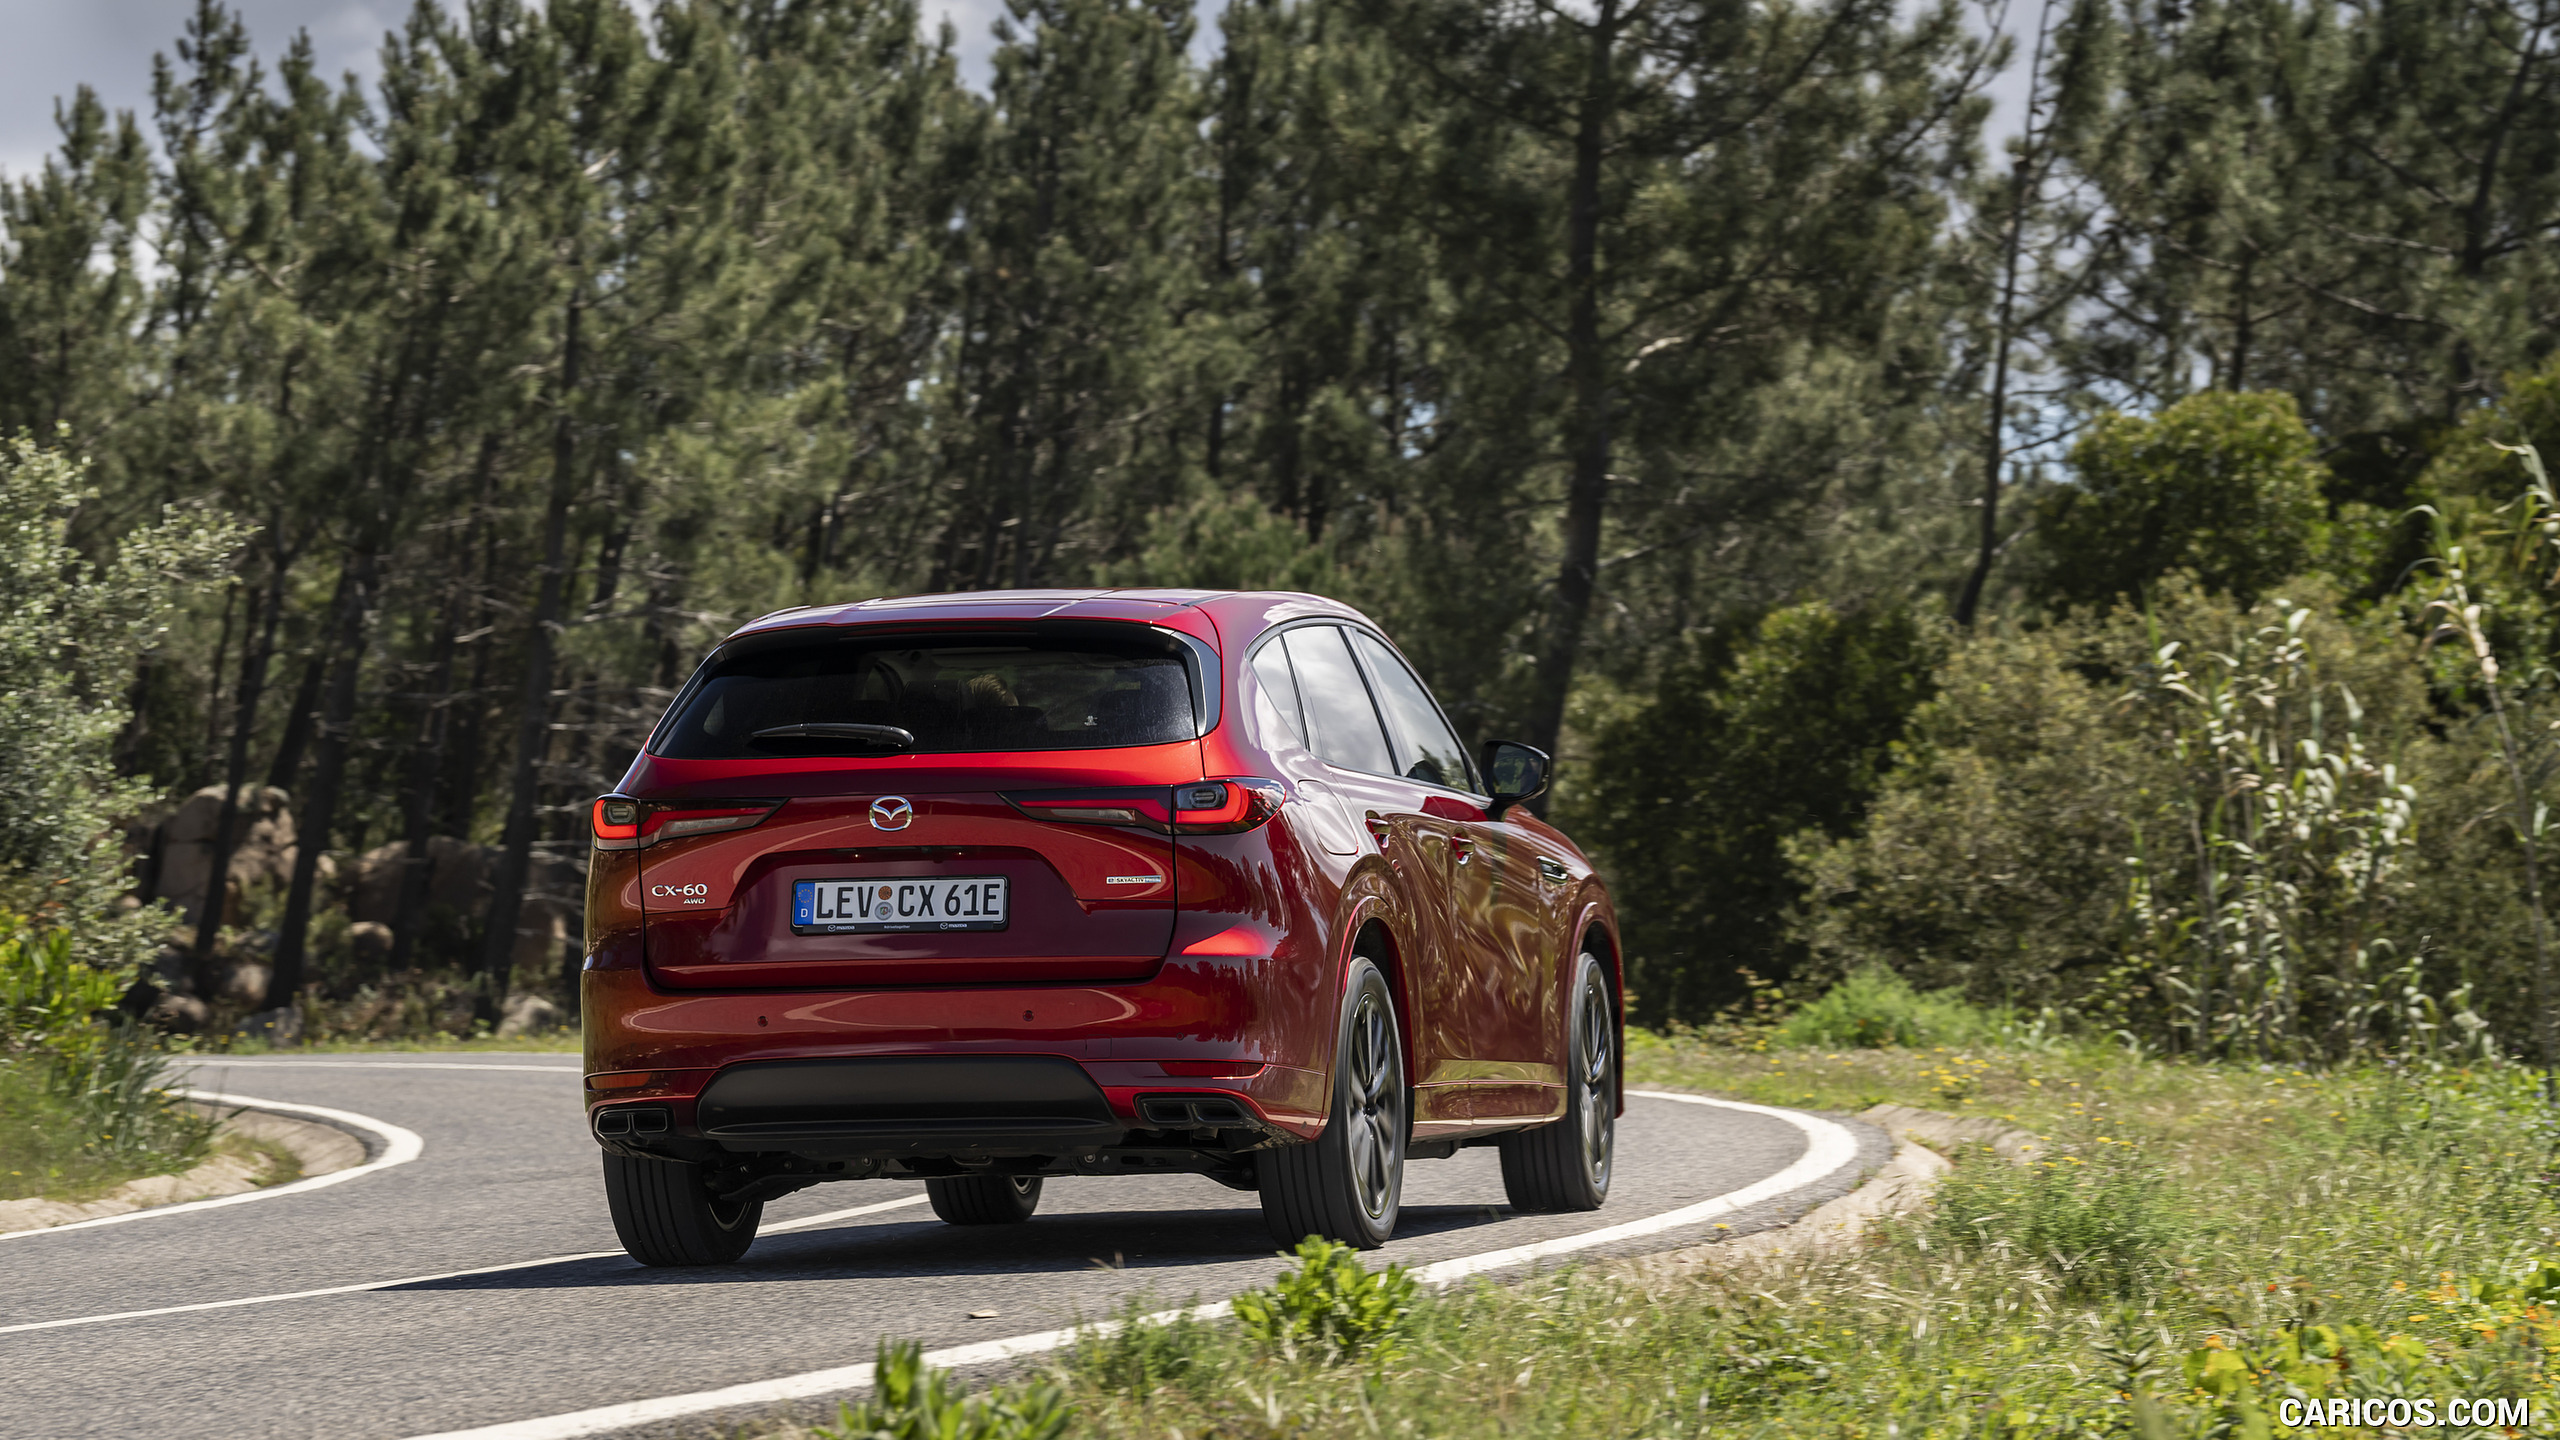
x,y
79,1145
2197,1242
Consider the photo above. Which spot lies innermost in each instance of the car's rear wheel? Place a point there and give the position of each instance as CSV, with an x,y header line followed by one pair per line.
x,y
1565,1165
984,1199
1348,1184
665,1213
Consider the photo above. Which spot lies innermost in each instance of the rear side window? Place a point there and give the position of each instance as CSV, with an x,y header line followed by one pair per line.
x,y
1430,752
952,693
1343,724
1271,667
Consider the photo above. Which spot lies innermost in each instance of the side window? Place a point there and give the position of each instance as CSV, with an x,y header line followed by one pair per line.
x,y
1271,667
1431,754
1343,724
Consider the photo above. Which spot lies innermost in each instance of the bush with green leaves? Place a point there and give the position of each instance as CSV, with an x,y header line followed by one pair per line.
x,y
1330,1305
911,1400
2206,825
2225,487
1872,1007
71,630
1784,729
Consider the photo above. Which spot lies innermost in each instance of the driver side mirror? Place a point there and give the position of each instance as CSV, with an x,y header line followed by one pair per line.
x,y
1516,772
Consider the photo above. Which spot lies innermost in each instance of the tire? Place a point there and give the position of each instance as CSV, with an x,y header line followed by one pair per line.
x,y
1564,1165
1348,1183
664,1213
984,1199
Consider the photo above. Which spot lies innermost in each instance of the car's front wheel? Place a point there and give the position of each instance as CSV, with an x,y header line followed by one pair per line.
x,y
665,1213
984,1199
1348,1184
1565,1165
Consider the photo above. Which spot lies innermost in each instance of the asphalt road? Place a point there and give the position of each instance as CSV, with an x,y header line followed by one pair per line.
x,y
508,1177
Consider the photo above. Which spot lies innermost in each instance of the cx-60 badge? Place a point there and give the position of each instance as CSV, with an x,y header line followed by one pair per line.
x,y
891,812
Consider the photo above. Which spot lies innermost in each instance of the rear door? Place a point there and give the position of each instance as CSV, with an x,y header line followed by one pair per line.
x,y
1347,732
956,807
1495,1003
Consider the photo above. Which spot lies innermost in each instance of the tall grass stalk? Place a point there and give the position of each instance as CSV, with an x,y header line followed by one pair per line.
x,y
2531,531
2296,836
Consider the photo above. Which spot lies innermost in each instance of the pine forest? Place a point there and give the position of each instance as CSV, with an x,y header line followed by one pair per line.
x,y
2092,552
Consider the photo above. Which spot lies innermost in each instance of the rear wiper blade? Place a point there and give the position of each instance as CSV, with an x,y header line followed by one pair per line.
x,y
886,736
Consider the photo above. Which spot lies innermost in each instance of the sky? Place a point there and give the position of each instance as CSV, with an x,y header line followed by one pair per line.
x,y
57,45
54,46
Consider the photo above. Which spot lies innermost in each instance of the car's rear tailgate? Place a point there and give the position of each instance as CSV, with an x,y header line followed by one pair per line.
x,y
1086,902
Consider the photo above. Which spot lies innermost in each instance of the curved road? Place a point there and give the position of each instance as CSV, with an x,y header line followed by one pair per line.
x,y
508,1186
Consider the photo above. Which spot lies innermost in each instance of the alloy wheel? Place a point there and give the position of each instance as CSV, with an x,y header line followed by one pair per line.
x,y
1377,1106
1599,1095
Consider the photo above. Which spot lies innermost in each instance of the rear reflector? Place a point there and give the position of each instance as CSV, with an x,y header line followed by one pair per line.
x,y
621,1079
1213,1069
1234,940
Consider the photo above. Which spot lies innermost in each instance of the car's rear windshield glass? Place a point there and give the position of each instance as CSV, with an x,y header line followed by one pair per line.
x,y
998,692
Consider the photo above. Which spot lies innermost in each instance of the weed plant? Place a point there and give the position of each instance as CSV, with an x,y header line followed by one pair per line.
x,y
1875,1007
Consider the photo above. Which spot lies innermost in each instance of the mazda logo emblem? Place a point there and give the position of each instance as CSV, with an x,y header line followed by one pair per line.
x,y
891,812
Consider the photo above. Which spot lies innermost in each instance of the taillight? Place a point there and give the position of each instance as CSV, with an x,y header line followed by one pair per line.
x,y
622,823
1142,806
1204,807
1224,807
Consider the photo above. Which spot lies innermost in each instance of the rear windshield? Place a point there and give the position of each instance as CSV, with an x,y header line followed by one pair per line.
x,y
950,693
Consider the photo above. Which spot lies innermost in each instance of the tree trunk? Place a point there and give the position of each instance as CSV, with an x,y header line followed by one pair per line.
x,y
533,715
1587,496
2024,182
306,702
319,815
235,771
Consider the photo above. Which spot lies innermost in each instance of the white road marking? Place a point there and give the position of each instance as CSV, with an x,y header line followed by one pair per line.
x,y
224,1062
1828,1147
398,1147
800,1224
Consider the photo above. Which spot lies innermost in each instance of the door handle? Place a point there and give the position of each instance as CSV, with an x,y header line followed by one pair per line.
x,y
1464,846
1555,872
1383,828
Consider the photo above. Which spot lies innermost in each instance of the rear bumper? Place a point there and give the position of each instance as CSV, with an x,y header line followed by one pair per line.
x,y
980,1072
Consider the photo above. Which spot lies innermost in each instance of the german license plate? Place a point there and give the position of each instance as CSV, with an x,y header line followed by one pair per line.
x,y
950,902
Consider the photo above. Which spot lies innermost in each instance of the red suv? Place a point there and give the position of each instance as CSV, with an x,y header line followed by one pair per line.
x,y
988,888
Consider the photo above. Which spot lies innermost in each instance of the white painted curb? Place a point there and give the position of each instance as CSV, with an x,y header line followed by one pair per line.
x,y
398,1147
1828,1147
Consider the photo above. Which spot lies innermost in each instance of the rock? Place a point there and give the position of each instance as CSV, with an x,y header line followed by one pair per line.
x,y
243,984
457,879
262,847
280,1026
369,943
178,1014
528,1015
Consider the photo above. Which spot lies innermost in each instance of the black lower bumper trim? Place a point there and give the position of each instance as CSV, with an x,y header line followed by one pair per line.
x,y
907,1105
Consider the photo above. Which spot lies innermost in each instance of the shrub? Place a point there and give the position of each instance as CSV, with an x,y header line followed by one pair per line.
x,y
1874,1007
1743,745
910,1400
71,630
2224,487
48,998
1331,1303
